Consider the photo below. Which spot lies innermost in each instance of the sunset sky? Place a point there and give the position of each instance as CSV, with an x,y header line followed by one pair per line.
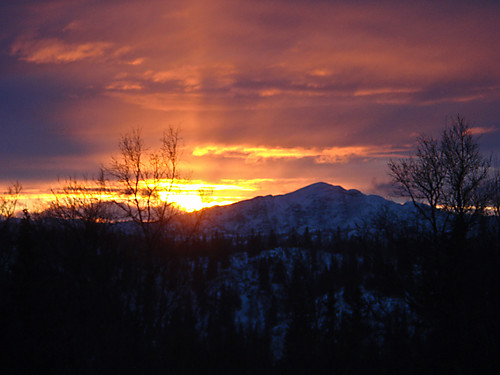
x,y
269,95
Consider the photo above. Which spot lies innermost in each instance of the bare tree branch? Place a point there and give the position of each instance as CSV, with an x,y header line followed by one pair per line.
x,y
449,175
9,201
146,179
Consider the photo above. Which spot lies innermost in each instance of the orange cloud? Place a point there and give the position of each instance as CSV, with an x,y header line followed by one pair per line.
x,y
483,130
163,101
124,86
53,50
137,61
330,155
188,75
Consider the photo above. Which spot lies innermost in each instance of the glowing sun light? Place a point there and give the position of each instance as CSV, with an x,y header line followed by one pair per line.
x,y
186,202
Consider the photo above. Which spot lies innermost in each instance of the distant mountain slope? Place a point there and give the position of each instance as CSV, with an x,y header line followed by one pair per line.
x,y
317,206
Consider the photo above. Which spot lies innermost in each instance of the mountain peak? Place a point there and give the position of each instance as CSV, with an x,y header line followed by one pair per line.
x,y
320,206
320,187
317,189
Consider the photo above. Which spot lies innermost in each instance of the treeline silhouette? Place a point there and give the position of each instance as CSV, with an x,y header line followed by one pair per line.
x,y
385,299
130,286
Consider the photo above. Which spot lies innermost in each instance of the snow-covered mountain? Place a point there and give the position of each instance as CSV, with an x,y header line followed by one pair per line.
x,y
317,206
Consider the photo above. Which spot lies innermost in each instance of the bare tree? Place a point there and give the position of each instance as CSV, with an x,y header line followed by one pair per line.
x,y
145,180
449,175
142,181
421,177
467,169
81,201
494,195
9,201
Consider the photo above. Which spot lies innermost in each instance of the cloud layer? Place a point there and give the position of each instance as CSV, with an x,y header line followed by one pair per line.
x,y
281,90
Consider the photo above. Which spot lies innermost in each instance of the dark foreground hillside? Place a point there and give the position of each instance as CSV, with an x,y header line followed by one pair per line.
x,y
94,299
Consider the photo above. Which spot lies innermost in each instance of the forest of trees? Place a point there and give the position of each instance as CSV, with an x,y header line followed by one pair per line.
x,y
84,294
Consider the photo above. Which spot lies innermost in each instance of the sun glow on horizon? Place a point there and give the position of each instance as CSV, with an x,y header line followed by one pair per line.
x,y
186,195
187,202
192,196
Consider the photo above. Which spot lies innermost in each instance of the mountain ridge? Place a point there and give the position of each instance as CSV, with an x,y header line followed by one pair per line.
x,y
319,206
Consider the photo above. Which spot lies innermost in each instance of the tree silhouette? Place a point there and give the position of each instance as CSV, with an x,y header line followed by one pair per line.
x,y
449,173
146,180
9,201
81,201
465,193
